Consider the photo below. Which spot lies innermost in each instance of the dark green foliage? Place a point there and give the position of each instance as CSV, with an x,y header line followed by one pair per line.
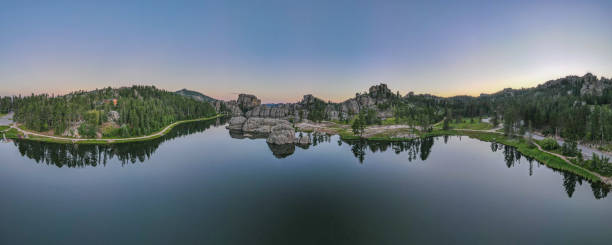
x,y
601,164
87,130
495,120
358,126
6,104
316,110
549,144
446,126
369,117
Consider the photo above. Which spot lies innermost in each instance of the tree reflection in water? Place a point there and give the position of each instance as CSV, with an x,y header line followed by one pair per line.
x,y
513,157
81,155
75,155
420,148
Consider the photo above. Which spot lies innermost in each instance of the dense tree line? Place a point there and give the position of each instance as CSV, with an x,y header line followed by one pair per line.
x,y
560,108
142,110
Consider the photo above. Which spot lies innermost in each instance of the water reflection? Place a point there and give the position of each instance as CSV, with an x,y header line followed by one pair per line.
x,y
420,148
283,151
80,155
513,157
72,156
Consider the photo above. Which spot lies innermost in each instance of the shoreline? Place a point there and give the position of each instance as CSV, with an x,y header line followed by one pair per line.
x,y
550,159
35,136
387,133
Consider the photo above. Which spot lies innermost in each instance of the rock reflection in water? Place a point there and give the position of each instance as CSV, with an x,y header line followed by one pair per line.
x,y
284,150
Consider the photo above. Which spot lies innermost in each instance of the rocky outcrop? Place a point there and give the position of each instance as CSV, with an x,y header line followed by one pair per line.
x,y
113,116
262,125
235,123
378,98
280,111
588,84
281,134
278,131
380,91
247,101
594,86
233,108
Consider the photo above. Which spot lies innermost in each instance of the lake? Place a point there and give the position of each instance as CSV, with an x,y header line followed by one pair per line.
x,y
202,184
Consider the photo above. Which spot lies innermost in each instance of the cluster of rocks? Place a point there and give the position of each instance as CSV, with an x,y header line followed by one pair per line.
x,y
278,131
250,116
589,84
376,98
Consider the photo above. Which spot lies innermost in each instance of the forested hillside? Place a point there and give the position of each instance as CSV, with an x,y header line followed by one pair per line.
x,y
575,108
109,112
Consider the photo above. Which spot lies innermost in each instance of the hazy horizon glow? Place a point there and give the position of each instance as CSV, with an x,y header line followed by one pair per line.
x,y
281,50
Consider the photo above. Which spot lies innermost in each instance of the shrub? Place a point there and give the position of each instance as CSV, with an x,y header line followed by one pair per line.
x,y
549,144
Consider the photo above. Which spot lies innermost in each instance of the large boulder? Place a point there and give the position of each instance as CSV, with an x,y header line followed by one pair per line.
x,y
262,125
113,116
380,91
281,134
235,123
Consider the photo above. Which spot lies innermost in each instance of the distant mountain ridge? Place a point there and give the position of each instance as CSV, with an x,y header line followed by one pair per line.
x,y
195,95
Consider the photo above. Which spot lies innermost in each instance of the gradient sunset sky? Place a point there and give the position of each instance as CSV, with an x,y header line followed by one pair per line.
x,y
281,50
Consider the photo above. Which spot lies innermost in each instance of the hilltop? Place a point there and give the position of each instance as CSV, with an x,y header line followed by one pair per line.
x,y
195,95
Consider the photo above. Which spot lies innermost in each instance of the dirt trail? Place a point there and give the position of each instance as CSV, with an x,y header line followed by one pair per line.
x,y
607,180
73,140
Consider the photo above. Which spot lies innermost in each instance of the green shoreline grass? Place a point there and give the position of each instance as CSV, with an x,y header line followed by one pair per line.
x,y
16,134
519,143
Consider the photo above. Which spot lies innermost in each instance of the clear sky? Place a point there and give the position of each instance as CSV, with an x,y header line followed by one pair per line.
x,y
280,50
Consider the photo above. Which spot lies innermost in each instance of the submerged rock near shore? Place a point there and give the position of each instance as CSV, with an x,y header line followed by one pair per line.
x,y
281,134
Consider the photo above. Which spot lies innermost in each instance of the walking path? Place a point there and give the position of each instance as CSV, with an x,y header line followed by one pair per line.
x,y
160,133
586,151
606,180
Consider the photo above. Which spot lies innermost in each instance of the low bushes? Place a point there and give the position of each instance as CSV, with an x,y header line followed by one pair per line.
x,y
549,144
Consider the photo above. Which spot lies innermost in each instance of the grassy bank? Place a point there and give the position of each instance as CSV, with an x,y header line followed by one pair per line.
x,y
520,144
67,140
526,149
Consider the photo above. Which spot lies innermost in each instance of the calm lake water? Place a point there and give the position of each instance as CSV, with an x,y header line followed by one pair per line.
x,y
202,185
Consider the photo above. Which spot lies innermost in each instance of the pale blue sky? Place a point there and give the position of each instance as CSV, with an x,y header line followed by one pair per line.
x,y
280,50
